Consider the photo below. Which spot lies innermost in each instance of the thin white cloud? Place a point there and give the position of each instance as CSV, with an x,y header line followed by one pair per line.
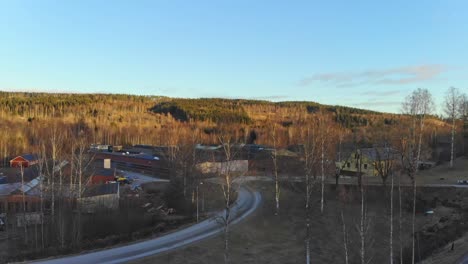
x,y
377,93
265,98
392,76
268,98
373,103
40,90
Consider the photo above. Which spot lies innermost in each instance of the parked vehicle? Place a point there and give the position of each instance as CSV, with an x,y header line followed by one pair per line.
x,y
429,212
462,181
124,180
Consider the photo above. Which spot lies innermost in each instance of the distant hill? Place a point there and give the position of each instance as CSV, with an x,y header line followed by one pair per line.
x,y
217,110
27,118
243,111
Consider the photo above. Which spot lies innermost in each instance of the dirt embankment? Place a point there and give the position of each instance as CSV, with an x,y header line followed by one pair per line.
x,y
441,217
447,226
267,238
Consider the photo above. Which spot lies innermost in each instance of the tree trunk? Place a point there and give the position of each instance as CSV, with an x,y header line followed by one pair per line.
x,y
307,241
226,242
413,221
323,178
277,195
24,205
418,157
452,143
345,240
185,184
277,186
400,220
274,157
362,231
358,163
391,220
197,203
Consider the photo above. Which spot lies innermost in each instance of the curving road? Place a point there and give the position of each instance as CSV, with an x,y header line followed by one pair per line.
x,y
247,202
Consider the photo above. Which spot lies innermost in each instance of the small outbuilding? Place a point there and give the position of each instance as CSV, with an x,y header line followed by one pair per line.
x,y
24,161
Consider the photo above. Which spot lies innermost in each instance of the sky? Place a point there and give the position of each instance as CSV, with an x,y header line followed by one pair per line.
x,y
366,54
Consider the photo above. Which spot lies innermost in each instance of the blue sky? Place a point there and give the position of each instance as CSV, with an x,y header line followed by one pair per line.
x,y
367,54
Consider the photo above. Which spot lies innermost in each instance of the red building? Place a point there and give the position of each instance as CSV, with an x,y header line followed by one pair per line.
x,y
103,176
141,163
25,161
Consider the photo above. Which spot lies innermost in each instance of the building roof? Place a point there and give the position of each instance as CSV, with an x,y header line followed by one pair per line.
x,y
17,187
101,189
144,146
28,157
30,185
105,172
14,174
140,156
381,153
7,189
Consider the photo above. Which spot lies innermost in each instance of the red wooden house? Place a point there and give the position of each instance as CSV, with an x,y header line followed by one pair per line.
x,y
25,161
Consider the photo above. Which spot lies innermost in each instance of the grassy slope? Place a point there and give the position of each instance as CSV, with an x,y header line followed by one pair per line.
x,y
265,238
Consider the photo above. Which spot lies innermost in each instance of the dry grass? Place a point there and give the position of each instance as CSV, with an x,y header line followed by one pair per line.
x,y
447,256
266,238
429,176
450,175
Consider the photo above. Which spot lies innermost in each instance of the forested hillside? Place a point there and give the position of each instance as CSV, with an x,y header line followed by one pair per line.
x,y
27,118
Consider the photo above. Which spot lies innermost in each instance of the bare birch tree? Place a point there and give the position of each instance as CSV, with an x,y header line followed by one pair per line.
x,y
344,198
464,117
385,159
41,164
323,127
341,135
227,177
81,162
417,106
274,157
363,219
24,203
452,106
391,216
309,157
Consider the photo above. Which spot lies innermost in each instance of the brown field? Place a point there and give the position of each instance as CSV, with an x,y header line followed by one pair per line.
x,y
266,238
428,176
450,175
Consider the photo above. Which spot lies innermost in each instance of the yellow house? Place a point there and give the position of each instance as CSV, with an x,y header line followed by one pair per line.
x,y
366,160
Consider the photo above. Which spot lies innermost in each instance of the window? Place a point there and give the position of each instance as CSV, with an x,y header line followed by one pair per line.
x,y
348,165
365,166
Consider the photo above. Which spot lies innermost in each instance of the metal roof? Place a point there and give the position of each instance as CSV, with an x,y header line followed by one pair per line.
x,y
101,189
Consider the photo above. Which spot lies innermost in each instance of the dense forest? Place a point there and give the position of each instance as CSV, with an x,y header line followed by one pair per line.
x,y
129,119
